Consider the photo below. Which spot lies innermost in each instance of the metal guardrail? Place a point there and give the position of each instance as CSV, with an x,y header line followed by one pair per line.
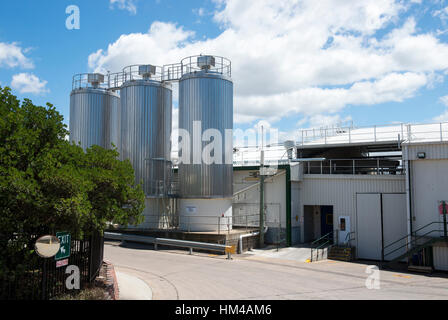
x,y
321,243
172,242
218,223
371,166
166,73
414,238
401,132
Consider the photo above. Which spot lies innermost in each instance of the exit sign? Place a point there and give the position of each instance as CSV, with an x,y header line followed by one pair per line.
x,y
64,250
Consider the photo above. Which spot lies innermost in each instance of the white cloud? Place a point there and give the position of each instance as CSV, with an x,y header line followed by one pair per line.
x,y
28,83
313,100
444,100
159,45
443,116
199,12
128,5
12,55
442,13
304,57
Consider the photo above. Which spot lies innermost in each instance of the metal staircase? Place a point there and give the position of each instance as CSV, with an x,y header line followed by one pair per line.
x,y
343,252
413,243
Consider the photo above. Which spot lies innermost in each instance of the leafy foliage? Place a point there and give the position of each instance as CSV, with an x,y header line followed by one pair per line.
x,y
49,185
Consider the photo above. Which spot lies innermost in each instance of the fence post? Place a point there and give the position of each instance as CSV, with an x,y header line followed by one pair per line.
x,y
44,280
91,242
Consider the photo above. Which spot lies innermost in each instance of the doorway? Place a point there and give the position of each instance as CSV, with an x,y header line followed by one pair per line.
x,y
317,222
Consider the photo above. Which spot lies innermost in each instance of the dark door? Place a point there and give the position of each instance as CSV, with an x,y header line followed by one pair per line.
x,y
326,216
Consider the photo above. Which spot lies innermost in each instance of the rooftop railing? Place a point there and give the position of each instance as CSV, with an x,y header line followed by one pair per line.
x,y
403,133
166,73
370,166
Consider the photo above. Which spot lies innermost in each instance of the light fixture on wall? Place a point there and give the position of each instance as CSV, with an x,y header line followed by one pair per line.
x,y
421,155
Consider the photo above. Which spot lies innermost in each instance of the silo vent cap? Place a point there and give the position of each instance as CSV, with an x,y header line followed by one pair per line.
x,y
206,62
146,71
95,79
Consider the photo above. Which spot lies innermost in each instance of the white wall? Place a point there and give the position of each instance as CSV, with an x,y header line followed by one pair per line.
x,y
274,196
340,191
429,179
440,255
429,185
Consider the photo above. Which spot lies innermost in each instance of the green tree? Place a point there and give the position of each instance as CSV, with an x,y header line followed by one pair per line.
x,y
49,185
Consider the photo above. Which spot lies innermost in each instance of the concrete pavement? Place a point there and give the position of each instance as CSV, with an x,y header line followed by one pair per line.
x,y
132,287
173,274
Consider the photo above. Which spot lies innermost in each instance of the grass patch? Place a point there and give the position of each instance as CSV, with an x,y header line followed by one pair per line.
x,y
92,293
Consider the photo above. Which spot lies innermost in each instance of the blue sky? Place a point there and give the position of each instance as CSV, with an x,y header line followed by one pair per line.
x,y
296,64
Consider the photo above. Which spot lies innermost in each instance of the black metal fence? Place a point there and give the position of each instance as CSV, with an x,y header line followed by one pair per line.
x,y
36,278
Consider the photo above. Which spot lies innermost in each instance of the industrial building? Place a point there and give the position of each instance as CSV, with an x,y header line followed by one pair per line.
x,y
376,192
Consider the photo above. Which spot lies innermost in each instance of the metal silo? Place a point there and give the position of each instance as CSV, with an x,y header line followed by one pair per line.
x,y
205,110
146,118
93,112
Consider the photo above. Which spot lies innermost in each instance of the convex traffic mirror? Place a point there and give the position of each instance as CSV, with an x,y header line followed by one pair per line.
x,y
47,246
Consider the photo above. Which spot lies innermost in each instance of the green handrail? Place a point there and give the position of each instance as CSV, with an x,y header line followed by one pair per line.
x,y
412,242
412,234
348,237
328,240
323,237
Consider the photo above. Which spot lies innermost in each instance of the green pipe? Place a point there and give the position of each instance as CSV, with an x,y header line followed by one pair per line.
x,y
288,206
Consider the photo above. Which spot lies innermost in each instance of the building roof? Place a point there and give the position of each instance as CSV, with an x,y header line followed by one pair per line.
x,y
374,138
381,134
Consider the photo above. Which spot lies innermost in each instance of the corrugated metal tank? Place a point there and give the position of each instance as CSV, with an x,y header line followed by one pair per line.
x,y
206,97
94,117
146,118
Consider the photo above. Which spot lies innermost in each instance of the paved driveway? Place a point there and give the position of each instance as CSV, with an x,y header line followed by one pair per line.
x,y
174,274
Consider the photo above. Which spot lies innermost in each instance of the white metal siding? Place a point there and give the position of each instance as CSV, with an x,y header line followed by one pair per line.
x,y
340,191
394,224
369,242
429,181
440,255
434,151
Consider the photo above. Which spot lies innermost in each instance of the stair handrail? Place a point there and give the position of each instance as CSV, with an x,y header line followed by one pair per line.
x,y
412,234
323,237
412,242
328,240
348,238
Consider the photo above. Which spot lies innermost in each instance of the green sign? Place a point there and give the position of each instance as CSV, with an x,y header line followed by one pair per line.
x,y
64,250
